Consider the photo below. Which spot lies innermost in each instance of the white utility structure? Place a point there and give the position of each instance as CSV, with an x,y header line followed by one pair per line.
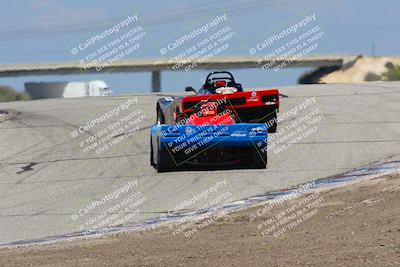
x,y
40,90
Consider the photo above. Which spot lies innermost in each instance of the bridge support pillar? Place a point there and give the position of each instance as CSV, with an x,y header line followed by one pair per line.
x,y
156,81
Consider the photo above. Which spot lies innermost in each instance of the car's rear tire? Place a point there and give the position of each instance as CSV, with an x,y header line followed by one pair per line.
x,y
272,117
259,159
151,152
165,162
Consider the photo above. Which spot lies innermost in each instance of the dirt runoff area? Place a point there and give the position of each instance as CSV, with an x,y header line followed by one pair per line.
x,y
356,225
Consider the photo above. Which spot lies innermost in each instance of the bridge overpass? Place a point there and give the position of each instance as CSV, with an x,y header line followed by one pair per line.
x,y
155,66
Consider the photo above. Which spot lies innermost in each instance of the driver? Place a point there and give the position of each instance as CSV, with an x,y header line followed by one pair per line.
x,y
220,85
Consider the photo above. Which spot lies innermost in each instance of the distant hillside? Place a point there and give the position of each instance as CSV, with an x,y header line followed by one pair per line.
x,y
364,69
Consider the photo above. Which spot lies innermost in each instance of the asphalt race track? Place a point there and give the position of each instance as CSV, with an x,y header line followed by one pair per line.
x,y
46,177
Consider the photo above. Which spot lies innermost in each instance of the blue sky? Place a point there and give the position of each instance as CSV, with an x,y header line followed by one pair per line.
x,y
45,31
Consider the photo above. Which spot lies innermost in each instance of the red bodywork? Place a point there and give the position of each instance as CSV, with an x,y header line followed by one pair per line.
x,y
239,100
209,116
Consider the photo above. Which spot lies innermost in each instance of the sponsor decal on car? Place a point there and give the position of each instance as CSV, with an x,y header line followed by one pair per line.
x,y
253,97
226,90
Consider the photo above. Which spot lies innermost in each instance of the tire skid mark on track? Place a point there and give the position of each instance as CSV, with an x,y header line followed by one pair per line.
x,y
71,159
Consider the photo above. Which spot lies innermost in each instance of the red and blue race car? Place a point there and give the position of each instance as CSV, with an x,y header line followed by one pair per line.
x,y
220,126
